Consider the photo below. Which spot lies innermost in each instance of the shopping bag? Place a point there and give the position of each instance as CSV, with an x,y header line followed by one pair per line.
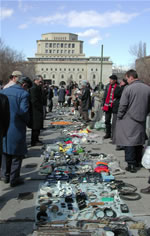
x,y
146,158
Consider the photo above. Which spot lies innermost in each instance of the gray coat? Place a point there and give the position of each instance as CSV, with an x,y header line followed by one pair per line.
x,y
131,118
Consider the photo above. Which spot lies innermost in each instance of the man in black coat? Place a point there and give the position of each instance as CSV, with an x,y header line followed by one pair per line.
x,y
108,103
36,110
85,101
4,119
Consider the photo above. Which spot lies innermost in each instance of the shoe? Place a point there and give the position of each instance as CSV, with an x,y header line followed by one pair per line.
x,y
145,190
107,136
131,168
119,148
5,180
16,183
37,144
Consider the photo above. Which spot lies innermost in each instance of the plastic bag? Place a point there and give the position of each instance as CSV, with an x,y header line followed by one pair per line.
x,y
146,158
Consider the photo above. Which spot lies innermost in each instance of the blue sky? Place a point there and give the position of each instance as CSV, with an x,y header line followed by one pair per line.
x,y
118,25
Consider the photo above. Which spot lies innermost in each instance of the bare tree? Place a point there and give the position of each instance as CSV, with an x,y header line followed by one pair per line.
x,y
11,60
142,61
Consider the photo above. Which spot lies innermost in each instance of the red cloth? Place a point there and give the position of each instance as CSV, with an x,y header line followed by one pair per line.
x,y
106,105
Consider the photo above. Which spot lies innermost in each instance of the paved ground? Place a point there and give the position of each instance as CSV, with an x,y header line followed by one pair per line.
x,y
17,216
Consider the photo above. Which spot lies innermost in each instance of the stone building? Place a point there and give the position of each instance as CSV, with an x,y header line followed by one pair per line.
x,y
60,58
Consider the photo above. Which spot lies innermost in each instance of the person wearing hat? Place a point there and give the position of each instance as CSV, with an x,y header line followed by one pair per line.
x,y
14,143
85,101
108,103
13,79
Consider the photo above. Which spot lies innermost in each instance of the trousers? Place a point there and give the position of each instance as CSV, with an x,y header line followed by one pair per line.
x,y
108,115
133,154
35,136
11,166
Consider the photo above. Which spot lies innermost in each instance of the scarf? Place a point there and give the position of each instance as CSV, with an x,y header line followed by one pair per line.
x,y
106,105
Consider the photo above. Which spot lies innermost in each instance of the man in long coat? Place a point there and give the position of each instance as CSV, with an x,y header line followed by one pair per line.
x,y
131,119
36,110
14,143
85,101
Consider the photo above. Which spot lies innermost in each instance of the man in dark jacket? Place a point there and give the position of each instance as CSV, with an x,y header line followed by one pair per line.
x,y
108,103
85,101
4,120
14,143
50,97
36,110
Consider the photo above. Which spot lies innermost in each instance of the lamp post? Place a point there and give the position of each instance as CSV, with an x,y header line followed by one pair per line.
x,y
100,85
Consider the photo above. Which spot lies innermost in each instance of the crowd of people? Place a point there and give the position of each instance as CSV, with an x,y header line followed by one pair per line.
x,y
24,103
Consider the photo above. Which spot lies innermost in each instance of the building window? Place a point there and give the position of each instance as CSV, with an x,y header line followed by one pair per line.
x,y
73,45
61,51
71,76
54,45
94,76
53,81
57,51
96,69
51,69
69,45
69,69
54,51
42,69
44,76
65,51
55,69
73,69
47,69
46,45
62,45
65,45
60,69
78,69
62,76
58,45
53,76
72,51
82,69
91,69
50,51
50,45
64,69
69,51
46,51
80,76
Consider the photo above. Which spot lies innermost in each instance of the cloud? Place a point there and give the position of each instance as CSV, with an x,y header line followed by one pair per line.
x,y
87,18
23,6
95,40
23,26
49,19
88,33
93,34
95,19
6,13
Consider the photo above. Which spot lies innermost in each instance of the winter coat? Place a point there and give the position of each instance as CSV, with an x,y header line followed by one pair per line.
x,y
105,93
131,118
86,100
117,95
14,143
36,109
4,117
61,95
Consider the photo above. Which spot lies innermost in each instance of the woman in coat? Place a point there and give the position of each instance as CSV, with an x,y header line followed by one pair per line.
x,y
61,95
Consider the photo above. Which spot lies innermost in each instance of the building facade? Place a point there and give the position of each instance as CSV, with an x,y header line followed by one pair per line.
x,y
60,57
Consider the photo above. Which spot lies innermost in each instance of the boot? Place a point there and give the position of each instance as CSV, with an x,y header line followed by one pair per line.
x,y
131,168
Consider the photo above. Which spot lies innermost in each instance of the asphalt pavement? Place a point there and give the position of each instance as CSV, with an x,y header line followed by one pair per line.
x,y
17,215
